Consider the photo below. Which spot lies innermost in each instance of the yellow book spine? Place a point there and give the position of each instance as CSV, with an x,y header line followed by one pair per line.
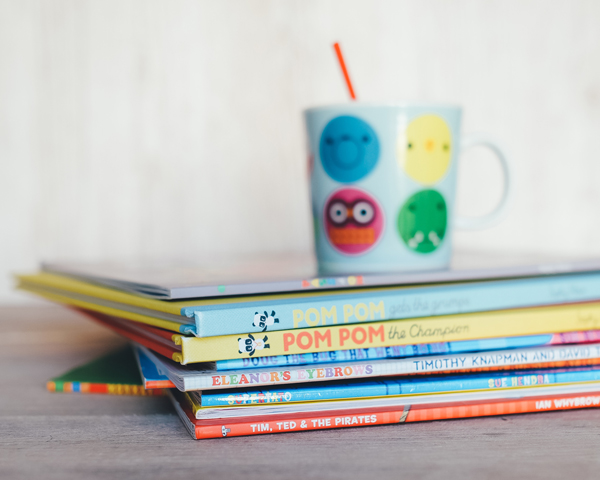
x,y
174,307
472,326
192,402
69,284
155,322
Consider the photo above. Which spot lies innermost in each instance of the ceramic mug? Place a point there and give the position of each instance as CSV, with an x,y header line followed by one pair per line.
x,y
383,184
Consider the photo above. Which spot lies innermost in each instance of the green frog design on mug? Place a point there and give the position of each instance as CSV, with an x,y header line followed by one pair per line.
x,y
422,221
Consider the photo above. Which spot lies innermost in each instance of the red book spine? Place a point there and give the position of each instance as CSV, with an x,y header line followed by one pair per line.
x,y
414,413
150,343
509,407
155,384
297,424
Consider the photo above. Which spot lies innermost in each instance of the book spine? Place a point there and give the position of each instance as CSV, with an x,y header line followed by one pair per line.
x,y
122,328
105,388
543,404
106,310
351,371
297,425
414,386
408,350
543,357
472,326
157,384
151,376
388,304
408,414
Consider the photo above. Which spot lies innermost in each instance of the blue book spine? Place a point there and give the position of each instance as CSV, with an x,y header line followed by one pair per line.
x,y
149,370
362,389
386,352
391,303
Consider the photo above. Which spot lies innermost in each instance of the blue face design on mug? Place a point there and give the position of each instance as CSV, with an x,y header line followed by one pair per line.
x,y
349,149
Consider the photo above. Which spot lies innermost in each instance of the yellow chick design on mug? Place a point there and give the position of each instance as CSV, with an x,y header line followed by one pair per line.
x,y
424,149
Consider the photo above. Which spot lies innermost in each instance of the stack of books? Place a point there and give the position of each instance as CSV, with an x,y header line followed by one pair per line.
x,y
271,353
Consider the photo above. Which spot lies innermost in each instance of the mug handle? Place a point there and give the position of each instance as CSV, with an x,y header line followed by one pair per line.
x,y
485,221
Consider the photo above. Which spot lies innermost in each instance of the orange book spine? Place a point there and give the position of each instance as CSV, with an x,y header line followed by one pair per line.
x,y
407,414
297,424
158,384
509,407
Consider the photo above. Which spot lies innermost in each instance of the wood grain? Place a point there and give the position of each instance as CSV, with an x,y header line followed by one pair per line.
x,y
70,436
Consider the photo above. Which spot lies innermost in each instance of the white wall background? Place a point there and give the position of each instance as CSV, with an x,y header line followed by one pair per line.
x,y
173,128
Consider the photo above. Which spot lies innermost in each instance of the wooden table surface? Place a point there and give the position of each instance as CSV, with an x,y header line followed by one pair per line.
x,y
53,435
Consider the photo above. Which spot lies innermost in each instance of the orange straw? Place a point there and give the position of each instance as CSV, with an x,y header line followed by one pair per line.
x,y
340,57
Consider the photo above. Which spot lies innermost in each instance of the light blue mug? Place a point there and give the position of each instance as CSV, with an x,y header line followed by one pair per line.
x,y
383,185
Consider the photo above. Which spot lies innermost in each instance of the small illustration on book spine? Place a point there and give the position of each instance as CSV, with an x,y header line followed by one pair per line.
x,y
250,344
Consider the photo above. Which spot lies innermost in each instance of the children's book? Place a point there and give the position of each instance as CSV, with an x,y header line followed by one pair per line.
x,y
205,377
269,313
297,273
149,371
116,373
431,408
376,402
415,350
472,326
390,387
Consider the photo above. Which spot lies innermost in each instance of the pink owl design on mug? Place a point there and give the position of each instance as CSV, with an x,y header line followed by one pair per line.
x,y
353,221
